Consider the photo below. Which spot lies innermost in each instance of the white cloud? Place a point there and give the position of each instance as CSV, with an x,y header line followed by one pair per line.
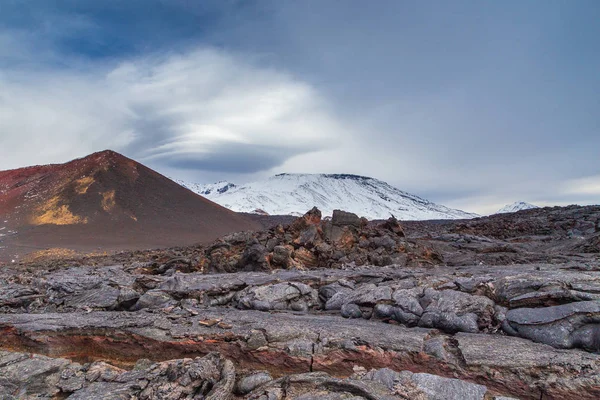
x,y
161,109
209,114
583,186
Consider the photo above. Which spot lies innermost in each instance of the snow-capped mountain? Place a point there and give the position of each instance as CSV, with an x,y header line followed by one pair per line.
x,y
294,194
517,206
207,189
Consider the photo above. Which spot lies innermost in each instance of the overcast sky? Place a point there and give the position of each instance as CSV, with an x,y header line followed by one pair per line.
x,y
471,104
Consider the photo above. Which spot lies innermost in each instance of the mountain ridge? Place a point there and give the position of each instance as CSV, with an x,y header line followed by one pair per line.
x,y
293,194
516,206
106,200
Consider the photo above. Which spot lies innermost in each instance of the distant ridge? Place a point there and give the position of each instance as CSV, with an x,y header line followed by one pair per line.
x,y
517,206
293,194
105,201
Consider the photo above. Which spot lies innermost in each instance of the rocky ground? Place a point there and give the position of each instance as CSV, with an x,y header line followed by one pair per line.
x,y
492,308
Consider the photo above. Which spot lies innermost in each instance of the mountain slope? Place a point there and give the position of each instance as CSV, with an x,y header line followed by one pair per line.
x,y
517,206
296,193
106,201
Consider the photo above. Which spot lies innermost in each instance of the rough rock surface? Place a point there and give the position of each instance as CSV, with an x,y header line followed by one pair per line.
x,y
292,314
566,326
212,377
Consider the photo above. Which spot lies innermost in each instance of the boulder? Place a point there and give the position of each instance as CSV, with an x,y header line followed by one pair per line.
x,y
281,256
351,311
154,299
250,382
439,388
15,295
393,225
312,217
370,294
280,296
254,258
308,237
305,258
454,311
342,218
103,297
564,326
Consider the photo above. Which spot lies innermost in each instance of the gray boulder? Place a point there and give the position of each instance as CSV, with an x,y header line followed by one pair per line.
x,y
565,326
14,295
351,311
454,311
294,296
154,299
104,297
254,258
439,388
281,256
343,218
250,382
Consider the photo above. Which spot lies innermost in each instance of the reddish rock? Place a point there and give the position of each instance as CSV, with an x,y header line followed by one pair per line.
x,y
94,202
306,258
312,217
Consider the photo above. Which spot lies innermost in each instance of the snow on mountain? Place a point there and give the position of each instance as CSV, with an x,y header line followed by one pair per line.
x,y
294,194
207,190
514,207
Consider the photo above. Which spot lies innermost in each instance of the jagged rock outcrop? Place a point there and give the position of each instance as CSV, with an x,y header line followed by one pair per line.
x,y
309,243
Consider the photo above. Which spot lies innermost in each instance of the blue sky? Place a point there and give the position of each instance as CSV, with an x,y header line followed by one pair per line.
x,y
472,104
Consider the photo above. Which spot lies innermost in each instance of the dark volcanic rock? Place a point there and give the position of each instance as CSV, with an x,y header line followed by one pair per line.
x,y
282,256
318,310
254,258
454,311
351,311
249,383
24,376
556,221
342,218
212,377
153,299
15,295
296,343
281,296
565,326
310,243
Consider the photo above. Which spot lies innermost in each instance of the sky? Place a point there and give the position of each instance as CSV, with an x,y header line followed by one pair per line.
x,y
470,104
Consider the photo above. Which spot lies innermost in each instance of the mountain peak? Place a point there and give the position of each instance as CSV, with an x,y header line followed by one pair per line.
x,y
104,157
293,194
106,194
330,176
516,206
107,152
206,190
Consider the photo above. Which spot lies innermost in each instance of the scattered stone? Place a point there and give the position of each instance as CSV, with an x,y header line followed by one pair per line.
x,y
248,383
351,311
209,322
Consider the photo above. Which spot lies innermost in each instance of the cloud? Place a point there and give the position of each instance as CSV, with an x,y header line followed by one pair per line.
x,y
206,109
588,186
